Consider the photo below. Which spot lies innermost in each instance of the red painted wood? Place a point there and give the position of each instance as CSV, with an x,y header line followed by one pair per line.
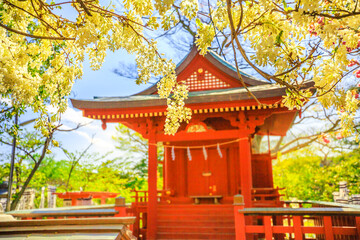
x,y
199,136
152,186
345,230
240,229
329,235
189,221
268,228
198,184
297,220
316,230
262,171
246,171
166,169
254,229
357,219
283,229
218,184
201,62
121,211
181,170
207,177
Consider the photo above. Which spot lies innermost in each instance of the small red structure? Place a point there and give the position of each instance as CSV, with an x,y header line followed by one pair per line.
x,y
210,159
84,198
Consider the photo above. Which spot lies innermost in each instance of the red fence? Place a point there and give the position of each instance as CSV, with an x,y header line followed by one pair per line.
x,y
297,223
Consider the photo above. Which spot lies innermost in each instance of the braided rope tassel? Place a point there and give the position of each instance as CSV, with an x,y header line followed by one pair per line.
x,y
189,154
173,153
219,151
205,153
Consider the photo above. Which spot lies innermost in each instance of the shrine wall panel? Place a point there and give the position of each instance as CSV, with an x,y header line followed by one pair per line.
x,y
262,171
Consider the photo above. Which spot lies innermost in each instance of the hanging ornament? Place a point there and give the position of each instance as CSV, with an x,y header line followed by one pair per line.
x,y
173,153
219,151
205,153
189,154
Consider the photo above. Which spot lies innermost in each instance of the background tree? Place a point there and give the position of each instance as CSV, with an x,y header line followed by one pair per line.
x,y
290,43
307,174
135,150
31,146
74,159
298,41
43,49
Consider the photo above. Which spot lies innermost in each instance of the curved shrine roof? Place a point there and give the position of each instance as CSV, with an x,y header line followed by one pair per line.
x,y
194,60
212,96
211,79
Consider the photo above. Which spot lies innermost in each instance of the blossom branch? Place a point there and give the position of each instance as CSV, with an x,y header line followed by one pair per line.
x,y
34,36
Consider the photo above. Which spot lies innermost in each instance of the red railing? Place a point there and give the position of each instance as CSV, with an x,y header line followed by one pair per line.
x,y
330,223
139,208
266,197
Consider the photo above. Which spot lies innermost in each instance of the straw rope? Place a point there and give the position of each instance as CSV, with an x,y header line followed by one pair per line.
x,y
201,146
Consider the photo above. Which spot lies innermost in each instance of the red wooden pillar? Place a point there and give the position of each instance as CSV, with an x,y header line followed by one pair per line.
x,y
357,219
73,201
166,169
152,188
245,170
297,227
120,207
240,228
329,234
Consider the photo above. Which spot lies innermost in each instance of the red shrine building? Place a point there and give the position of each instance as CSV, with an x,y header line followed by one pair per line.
x,y
210,159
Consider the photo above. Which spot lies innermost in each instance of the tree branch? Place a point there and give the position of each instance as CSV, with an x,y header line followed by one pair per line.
x,y
34,36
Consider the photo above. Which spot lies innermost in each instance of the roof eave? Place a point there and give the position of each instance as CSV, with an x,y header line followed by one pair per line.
x,y
157,102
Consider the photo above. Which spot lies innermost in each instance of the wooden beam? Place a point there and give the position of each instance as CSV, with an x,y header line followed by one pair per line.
x,y
211,135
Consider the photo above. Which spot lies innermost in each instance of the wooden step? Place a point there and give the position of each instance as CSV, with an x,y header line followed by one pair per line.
x,y
196,206
185,223
189,236
190,214
196,222
197,211
214,217
197,229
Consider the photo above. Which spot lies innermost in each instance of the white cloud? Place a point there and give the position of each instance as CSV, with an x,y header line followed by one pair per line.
x,y
74,116
91,131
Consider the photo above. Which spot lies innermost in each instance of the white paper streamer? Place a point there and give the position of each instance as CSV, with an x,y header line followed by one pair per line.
x,y
189,154
205,153
173,153
219,151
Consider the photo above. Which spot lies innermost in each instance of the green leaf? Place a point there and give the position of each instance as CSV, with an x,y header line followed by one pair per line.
x,y
278,40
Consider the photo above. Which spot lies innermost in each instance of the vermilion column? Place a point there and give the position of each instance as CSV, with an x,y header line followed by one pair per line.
x,y
245,170
166,169
152,188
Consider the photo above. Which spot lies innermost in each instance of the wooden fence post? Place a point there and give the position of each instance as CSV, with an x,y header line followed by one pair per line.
x,y
239,217
357,222
120,207
268,228
297,227
329,235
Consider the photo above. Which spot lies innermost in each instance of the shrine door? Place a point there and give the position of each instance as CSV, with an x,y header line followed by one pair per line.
x,y
207,176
